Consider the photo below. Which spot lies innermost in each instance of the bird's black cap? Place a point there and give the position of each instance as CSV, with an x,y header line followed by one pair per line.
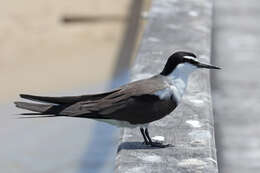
x,y
184,57
175,59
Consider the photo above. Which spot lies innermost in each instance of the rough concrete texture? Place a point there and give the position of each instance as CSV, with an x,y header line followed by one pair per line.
x,y
236,87
175,25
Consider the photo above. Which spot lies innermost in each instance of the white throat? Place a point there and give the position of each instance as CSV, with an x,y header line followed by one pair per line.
x,y
180,76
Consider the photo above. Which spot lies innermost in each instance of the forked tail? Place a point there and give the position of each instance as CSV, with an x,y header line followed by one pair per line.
x,y
40,108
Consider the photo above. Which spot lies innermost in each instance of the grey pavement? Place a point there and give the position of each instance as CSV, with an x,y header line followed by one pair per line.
x,y
236,45
175,25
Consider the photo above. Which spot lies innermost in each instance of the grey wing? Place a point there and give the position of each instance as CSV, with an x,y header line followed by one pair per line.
x,y
141,109
133,102
136,109
66,99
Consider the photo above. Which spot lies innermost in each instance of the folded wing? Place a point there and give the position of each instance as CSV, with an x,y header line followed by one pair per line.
x,y
135,103
66,99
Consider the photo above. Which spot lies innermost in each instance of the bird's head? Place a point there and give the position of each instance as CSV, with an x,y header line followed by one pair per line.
x,y
186,61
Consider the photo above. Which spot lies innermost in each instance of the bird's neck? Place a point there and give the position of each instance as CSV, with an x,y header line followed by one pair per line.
x,y
179,77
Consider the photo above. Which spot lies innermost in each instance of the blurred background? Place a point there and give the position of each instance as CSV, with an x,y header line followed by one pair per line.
x,y
236,93
78,47
63,48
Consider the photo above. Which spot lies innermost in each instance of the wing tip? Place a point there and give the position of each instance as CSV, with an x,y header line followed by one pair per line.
x,y
24,96
19,104
16,103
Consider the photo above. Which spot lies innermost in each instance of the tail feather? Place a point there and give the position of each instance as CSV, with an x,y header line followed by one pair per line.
x,y
55,100
66,99
40,108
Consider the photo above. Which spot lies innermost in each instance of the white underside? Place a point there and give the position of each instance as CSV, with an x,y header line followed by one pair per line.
x,y
179,78
118,123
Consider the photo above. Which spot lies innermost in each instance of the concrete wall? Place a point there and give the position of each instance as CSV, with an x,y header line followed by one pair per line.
x,y
175,25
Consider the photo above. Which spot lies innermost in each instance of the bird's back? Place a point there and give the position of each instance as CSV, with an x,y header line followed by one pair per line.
x,y
135,102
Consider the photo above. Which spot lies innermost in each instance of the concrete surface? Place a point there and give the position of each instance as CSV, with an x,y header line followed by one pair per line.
x,y
236,43
175,25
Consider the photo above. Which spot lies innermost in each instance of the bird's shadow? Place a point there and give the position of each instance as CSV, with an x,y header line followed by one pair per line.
x,y
135,146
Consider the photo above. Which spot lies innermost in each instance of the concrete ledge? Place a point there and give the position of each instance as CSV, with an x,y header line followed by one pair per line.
x,y
175,25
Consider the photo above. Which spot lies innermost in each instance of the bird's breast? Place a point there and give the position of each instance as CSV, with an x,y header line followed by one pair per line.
x,y
170,93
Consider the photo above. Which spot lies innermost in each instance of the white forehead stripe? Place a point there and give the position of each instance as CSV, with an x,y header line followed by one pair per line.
x,y
190,57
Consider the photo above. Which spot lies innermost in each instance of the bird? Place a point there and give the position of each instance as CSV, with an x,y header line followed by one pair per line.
x,y
132,105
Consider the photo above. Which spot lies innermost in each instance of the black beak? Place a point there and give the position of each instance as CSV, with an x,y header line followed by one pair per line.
x,y
209,66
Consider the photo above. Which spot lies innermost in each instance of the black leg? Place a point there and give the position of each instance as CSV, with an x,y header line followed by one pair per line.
x,y
145,139
155,144
148,136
